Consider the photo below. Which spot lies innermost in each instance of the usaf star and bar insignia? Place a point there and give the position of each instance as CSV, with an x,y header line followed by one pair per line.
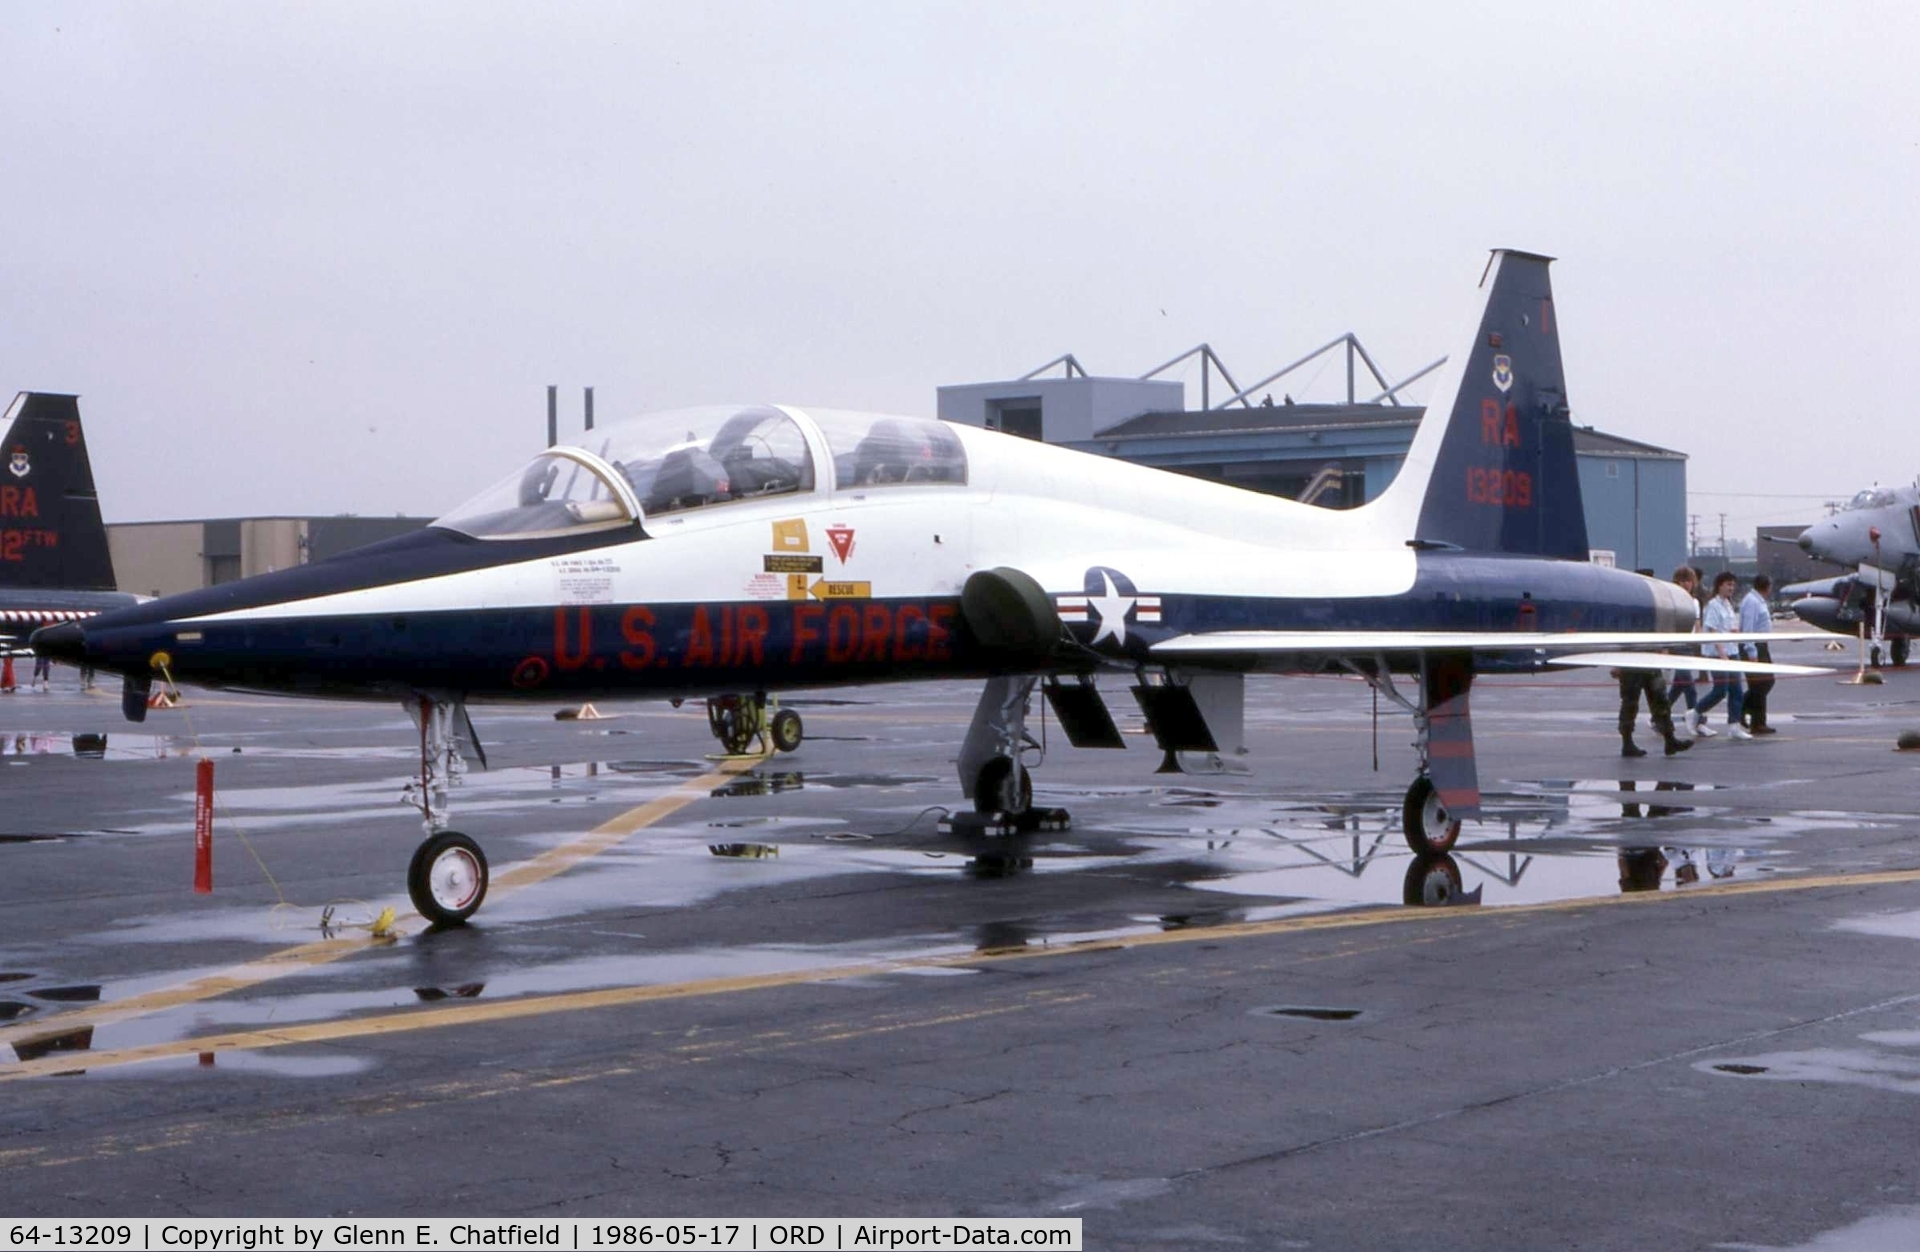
x,y
1110,600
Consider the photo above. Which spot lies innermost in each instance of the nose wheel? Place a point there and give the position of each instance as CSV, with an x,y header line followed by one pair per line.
x,y
447,879
1429,828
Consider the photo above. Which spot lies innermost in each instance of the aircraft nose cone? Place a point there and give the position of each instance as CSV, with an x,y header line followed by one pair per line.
x,y
62,642
1806,540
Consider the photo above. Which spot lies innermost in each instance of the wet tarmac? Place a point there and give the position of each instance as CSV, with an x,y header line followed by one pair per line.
x,y
1663,1002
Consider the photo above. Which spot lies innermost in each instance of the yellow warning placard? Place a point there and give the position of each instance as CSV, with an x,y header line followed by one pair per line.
x,y
826,589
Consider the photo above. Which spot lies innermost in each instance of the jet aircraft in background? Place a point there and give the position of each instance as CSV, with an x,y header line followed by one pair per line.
x,y
54,564
725,552
1877,534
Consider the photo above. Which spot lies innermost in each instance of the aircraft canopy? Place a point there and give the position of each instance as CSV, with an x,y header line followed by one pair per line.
x,y
671,462
1872,498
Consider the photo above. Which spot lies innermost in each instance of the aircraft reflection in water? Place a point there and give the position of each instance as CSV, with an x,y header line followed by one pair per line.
x,y
1878,535
1576,821
730,552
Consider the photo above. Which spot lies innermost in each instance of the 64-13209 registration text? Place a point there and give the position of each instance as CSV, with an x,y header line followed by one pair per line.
x,y
570,1234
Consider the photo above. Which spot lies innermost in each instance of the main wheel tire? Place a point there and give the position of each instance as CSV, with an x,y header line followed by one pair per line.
x,y
1899,649
1429,828
448,878
1004,786
786,730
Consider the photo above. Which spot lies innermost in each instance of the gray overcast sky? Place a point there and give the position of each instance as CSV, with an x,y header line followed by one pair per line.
x,y
326,257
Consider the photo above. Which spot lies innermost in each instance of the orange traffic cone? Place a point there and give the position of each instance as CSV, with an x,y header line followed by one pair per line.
x,y
6,675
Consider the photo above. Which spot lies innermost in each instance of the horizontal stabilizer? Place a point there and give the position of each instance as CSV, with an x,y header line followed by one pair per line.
x,y
1697,664
1242,642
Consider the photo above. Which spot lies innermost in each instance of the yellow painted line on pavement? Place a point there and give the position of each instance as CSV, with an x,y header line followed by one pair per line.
x,y
444,1016
325,951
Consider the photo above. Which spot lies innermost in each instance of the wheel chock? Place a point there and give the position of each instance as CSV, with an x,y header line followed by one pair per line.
x,y
585,713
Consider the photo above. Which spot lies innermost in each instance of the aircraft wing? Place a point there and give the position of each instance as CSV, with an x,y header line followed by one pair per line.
x,y
1693,664
1365,642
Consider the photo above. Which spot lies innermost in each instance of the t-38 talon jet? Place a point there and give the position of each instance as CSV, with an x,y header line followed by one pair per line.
x,y
54,565
723,552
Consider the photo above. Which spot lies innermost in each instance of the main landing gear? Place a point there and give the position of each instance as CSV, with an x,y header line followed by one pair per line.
x,y
447,878
1443,737
737,720
1429,828
993,770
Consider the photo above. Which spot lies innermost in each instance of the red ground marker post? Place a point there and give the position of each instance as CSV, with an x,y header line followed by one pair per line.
x,y
203,828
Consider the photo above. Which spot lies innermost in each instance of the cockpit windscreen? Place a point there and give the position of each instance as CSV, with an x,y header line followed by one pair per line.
x,y
662,463
1872,498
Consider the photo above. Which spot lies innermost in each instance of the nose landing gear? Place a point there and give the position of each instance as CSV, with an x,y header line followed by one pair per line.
x,y
447,878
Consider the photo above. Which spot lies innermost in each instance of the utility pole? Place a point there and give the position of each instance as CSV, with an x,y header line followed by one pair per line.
x,y
1693,535
1723,537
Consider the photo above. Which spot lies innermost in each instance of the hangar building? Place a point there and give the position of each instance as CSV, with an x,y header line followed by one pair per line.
x,y
161,558
1337,455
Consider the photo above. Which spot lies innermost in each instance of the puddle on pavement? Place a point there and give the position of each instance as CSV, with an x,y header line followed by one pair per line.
x,y
275,1005
1307,1012
1876,1069
116,746
1895,1230
136,746
1541,841
1905,925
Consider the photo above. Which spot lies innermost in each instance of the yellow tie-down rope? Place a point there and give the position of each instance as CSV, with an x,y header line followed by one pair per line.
x,y
381,925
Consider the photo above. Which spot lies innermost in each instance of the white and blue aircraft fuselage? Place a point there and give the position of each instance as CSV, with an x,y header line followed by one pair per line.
x,y
731,551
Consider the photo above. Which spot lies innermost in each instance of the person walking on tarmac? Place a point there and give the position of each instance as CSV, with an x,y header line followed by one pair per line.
x,y
1659,708
1687,579
1720,617
1756,618
1653,682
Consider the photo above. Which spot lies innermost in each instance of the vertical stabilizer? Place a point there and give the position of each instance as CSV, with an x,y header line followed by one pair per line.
x,y
1493,466
50,530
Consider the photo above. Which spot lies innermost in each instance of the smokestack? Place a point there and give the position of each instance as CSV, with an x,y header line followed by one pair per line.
x,y
553,415
589,408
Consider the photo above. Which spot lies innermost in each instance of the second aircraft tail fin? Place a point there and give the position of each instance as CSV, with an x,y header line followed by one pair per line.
x,y
50,529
